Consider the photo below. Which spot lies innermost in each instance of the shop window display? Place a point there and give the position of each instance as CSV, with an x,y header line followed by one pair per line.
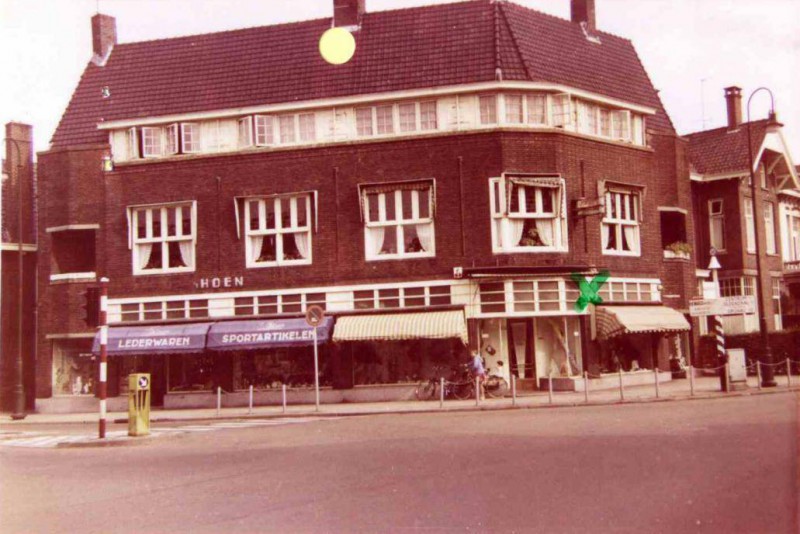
x,y
404,362
271,369
74,371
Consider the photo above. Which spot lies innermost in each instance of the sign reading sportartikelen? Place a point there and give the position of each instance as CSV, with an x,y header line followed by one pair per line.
x,y
724,306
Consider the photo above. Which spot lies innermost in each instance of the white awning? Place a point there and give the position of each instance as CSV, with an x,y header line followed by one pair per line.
x,y
618,320
402,326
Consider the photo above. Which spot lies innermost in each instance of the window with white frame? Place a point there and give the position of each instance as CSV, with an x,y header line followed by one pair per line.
x,y
286,128
620,125
265,130
514,110
537,109
587,115
605,122
190,137
245,132
777,289
401,297
488,109
384,119
793,227
152,145
398,220
364,121
408,117
561,107
427,115
749,226
278,230
528,214
163,238
769,227
307,127
716,224
619,229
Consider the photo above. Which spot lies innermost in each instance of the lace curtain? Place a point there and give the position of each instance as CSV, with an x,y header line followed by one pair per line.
x,y
375,241
256,242
631,237
186,252
544,227
514,231
144,254
301,241
604,230
425,235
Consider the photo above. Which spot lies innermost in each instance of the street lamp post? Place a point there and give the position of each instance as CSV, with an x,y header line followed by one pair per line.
x,y
19,385
767,375
719,332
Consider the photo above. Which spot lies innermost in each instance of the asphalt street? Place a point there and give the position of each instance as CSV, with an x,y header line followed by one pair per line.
x,y
725,465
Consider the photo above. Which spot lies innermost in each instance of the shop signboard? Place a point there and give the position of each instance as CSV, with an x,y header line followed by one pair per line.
x,y
164,339
723,306
257,334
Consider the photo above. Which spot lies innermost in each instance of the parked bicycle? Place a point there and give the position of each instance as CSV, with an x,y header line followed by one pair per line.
x,y
458,385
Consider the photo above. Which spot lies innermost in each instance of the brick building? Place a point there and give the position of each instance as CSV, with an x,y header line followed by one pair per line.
x,y
728,217
18,256
434,194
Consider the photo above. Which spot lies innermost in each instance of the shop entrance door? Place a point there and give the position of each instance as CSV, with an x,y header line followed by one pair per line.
x,y
521,355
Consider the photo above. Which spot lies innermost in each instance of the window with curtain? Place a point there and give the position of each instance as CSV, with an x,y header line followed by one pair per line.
x,y
514,110
619,230
398,221
277,230
488,109
716,224
163,238
528,214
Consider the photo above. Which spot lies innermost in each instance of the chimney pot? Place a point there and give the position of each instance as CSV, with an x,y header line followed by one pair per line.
x,y
733,98
348,12
104,36
582,11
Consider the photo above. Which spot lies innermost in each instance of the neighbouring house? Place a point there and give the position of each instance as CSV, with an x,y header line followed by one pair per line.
x,y
728,217
18,270
437,194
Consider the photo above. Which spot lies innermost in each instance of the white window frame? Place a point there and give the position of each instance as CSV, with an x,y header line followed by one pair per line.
x,y
769,226
398,224
501,220
252,234
306,127
162,212
171,144
133,144
777,312
408,126
507,99
380,124
287,137
716,215
191,130
561,110
749,225
152,141
362,124
490,117
245,132
422,123
621,120
529,105
627,207
264,130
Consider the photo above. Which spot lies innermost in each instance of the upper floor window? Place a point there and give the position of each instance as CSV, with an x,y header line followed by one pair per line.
x,y
750,226
791,222
163,238
190,137
278,230
528,214
619,230
514,111
769,227
716,224
264,130
561,110
398,220
537,109
488,109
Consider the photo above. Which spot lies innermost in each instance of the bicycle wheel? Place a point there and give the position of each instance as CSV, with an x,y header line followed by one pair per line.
x,y
463,390
496,387
426,390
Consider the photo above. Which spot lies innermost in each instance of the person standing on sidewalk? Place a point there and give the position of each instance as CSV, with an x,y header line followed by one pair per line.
x,y
479,370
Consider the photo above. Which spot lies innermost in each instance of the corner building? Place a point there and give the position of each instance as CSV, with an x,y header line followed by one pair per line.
x,y
436,194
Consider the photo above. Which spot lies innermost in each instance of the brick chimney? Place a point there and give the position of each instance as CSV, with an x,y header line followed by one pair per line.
x,y
348,12
104,37
582,11
733,98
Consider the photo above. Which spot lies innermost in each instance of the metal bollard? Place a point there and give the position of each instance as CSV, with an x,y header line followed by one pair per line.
x,y
219,399
788,372
477,391
250,403
758,373
621,388
513,390
441,392
691,381
656,373
284,397
586,386
550,387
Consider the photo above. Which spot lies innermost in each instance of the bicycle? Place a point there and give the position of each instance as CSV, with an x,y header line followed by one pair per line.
x,y
460,388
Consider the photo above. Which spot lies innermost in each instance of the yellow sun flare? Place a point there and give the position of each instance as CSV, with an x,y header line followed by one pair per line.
x,y
337,46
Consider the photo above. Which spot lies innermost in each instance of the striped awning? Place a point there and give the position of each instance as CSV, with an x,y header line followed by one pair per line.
x,y
614,321
402,326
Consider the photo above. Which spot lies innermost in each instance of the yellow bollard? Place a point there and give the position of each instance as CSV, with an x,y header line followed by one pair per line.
x,y
138,404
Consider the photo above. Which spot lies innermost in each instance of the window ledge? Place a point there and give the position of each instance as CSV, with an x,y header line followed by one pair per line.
x,y
73,277
396,257
272,264
682,256
620,253
541,250
162,272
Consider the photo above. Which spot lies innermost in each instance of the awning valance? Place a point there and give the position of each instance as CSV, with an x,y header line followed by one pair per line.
x,y
247,335
613,321
163,339
402,326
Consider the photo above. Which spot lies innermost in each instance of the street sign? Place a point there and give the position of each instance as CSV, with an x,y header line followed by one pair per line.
x,y
724,306
144,382
314,315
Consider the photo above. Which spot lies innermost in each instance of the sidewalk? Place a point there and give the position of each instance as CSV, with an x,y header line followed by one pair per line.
x,y
704,388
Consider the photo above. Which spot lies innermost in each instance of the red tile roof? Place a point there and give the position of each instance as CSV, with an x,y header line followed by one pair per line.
x,y
721,151
403,49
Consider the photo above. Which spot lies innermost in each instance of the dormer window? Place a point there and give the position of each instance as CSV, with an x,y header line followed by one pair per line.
x,y
307,127
384,119
514,111
190,137
286,128
537,109
245,132
488,109
264,130
561,110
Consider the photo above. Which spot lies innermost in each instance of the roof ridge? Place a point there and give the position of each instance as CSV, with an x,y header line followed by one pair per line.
x,y
715,130
560,19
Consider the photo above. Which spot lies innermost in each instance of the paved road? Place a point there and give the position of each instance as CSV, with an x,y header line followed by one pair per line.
x,y
727,465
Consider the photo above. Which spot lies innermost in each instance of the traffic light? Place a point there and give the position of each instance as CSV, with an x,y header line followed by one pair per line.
x,y
91,307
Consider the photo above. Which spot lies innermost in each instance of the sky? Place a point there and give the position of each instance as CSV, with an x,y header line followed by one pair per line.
x,y
691,49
